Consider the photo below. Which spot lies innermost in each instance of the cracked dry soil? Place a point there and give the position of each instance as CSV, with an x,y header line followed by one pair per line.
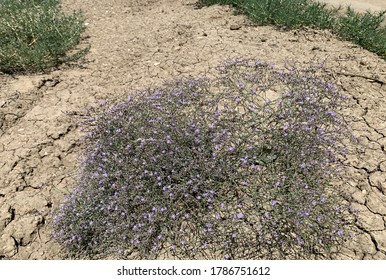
x,y
140,43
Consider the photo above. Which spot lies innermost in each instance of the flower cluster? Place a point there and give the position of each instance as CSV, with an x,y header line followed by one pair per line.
x,y
234,167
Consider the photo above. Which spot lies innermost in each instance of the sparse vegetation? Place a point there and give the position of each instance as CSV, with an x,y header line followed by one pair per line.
x,y
35,35
365,29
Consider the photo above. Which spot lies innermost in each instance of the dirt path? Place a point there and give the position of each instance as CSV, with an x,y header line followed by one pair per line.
x,y
360,5
137,43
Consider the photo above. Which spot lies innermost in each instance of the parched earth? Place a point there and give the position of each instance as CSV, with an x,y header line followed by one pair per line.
x,y
359,5
140,43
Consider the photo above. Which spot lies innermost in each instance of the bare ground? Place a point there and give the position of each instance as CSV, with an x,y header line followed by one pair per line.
x,y
140,43
359,5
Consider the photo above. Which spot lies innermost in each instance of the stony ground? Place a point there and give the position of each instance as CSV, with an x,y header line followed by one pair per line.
x,y
138,43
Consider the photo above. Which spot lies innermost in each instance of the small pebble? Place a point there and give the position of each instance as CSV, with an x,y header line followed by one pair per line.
x,y
235,27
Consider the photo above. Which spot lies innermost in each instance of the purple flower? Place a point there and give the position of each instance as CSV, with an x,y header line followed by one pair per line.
x,y
239,216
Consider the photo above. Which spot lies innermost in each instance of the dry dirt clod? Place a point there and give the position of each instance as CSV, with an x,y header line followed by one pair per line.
x,y
235,27
367,220
380,240
378,180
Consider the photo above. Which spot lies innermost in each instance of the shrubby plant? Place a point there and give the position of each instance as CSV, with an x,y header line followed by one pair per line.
x,y
367,30
240,166
35,35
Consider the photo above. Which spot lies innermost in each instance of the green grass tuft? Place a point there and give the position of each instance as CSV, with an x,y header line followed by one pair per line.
x,y
365,30
36,36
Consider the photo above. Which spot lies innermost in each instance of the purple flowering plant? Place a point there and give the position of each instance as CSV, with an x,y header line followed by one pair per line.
x,y
238,167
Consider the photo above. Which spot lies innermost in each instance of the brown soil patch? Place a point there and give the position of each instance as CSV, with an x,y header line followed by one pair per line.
x,y
139,43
